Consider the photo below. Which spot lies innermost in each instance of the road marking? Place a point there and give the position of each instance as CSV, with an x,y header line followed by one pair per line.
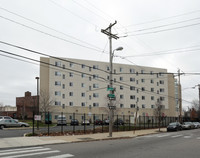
x,y
198,137
20,149
61,156
187,136
177,136
32,154
23,151
164,135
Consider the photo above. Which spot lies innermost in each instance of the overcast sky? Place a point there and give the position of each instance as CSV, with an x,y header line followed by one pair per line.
x,y
155,33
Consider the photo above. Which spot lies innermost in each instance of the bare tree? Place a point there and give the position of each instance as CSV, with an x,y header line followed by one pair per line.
x,y
158,112
46,102
195,104
1,107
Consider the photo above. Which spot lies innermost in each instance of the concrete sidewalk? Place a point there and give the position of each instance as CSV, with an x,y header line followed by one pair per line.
x,y
36,141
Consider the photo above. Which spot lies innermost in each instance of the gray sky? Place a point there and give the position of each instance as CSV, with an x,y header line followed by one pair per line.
x,y
158,33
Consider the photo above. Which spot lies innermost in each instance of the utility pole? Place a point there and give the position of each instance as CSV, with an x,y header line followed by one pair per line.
x,y
111,96
179,96
199,101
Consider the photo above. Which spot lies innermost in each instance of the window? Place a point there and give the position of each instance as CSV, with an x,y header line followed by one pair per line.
x,y
95,76
82,104
82,84
132,79
108,77
57,83
137,82
152,89
90,88
57,63
71,64
121,87
95,85
70,84
57,103
120,69
95,66
152,106
63,86
90,78
107,68
82,94
143,106
152,81
95,95
121,96
71,74
57,73
121,105
162,98
132,71
162,90
90,97
57,93
121,78
132,96
63,76
132,88
63,66
63,96
161,82
142,80
132,106
95,104
90,69
143,89
83,66
70,93
83,75
71,104
151,72
152,97
142,71
143,97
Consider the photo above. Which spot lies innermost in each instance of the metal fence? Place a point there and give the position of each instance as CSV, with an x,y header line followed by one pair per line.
x,y
73,123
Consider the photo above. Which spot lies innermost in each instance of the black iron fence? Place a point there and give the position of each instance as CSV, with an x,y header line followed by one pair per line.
x,y
73,123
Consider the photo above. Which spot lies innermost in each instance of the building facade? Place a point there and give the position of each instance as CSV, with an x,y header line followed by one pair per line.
x,y
26,105
80,86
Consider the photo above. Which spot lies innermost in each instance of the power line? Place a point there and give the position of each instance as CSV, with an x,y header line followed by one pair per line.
x,y
49,28
50,34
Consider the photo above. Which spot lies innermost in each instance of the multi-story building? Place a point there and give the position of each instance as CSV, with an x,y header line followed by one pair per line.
x,y
80,86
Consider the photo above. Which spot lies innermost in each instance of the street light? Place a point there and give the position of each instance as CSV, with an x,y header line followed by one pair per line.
x,y
112,97
37,111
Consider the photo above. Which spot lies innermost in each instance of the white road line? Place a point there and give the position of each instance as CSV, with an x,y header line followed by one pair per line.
x,y
61,156
187,136
198,137
164,135
32,154
20,149
23,151
177,136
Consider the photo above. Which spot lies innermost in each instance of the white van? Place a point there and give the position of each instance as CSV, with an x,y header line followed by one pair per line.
x,y
61,120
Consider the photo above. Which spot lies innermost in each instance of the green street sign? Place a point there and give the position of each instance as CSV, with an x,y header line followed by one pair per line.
x,y
111,95
110,89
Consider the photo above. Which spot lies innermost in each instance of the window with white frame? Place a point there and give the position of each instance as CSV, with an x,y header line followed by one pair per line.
x,y
121,96
161,81
132,71
121,87
120,69
57,93
95,85
121,78
82,84
71,103
63,76
132,106
71,94
95,66
162,90
83,75
63,86
58,63
57,73
83,66
71,74
63,96
143,106
82,94
142,80
83,104
121,105
132,96
57,103
95,104
152,106
132,88
71,64
95,95
57,83
152,97
143,97
70,84
132,79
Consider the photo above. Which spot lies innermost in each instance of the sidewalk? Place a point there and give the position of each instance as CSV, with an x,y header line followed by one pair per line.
x,y
36,141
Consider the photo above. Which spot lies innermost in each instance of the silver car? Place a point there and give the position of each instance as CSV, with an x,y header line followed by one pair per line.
x,y
12,123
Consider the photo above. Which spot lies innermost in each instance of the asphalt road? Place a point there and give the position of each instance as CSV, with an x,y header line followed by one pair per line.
x,y
180,144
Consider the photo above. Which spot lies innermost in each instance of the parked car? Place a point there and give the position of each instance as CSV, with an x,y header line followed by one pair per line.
x,y
106,122
12,123
188,125
61,120
119,122
74,122
6,117
174,126
98,122
85,122
196,124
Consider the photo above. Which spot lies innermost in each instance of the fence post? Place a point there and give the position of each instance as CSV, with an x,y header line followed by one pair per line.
x,y
48,122
129,123
144,121
102,123
62,122
33,123
74,123
117,123
139,123
93,123
84,122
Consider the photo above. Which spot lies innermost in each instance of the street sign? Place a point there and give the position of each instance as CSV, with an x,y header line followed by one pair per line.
x,y
37,117
110,89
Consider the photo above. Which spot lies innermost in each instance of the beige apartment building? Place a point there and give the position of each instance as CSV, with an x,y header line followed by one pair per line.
x,y
80,86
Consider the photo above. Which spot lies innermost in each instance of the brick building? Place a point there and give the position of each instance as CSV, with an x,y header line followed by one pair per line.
x,y
26,105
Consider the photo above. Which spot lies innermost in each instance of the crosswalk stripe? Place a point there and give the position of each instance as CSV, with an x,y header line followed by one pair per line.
x,y
24,151
164,135
177,136
61,156
19,149
32,154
